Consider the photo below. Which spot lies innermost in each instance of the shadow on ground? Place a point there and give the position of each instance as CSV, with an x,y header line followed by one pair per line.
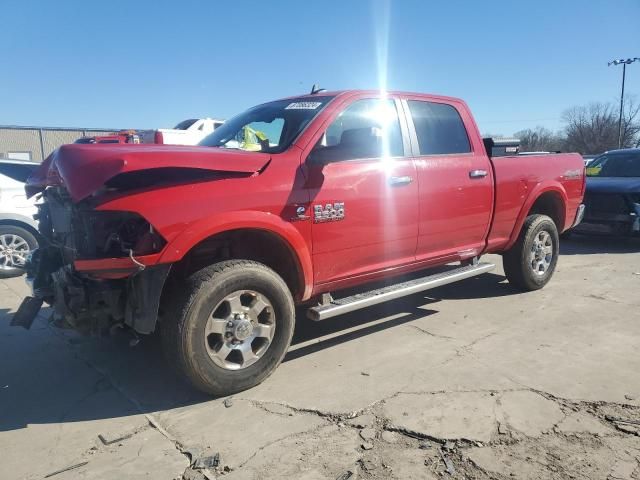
x,y
56,376
53,376
589,245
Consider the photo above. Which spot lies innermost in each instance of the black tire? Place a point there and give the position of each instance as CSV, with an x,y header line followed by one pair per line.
x,y
517,260
192,302
20,233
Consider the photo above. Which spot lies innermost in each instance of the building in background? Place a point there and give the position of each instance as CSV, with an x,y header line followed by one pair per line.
x,y
36,143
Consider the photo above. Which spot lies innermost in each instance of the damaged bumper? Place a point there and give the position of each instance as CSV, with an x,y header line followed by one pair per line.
x,y
91,302
95,269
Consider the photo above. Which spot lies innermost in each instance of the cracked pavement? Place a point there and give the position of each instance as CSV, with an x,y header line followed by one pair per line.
x,y
472,380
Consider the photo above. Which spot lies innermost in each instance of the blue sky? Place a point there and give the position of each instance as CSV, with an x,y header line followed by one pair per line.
x,y
148,64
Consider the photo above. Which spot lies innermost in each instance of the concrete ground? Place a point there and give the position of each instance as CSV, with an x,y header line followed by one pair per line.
x,y
474,380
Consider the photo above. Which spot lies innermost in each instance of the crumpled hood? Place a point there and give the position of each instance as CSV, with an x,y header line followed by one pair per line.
x,y
84,169
613,184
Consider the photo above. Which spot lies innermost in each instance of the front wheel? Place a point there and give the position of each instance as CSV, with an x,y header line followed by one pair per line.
x,y
229,326
531,261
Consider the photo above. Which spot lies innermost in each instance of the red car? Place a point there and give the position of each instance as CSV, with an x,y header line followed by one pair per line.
x,y
125,136
288,204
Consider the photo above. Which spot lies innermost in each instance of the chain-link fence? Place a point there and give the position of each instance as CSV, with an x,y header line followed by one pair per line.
x,y
36,143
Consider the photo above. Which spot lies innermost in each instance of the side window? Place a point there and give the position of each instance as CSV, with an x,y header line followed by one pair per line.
x,y
367,128
439,128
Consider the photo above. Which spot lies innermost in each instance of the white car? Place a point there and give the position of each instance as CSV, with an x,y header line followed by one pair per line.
x,y
187,132
18,229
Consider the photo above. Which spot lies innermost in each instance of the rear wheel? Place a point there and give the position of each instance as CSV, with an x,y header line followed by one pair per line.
x,y
530,263
15,244
229,326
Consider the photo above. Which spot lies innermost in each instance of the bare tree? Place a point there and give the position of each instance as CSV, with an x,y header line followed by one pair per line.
x,y
539,139
593,128
631,123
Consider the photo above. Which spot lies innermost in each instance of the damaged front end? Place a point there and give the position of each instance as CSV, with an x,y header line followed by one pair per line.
x,y
616,213
97,269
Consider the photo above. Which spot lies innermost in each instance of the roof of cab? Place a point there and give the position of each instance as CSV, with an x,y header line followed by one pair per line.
x,y
344,93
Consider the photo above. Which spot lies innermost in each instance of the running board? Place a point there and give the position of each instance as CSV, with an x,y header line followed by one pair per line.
x,y
391,292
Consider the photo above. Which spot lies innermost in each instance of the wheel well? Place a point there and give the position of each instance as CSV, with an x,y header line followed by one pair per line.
x,y
250,244
18,223
550,204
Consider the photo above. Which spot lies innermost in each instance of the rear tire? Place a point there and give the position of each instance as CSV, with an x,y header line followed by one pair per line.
x,y
229,326
529,264
15,244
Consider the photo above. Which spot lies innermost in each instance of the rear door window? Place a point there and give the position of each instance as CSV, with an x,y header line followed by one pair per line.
x,y
439,128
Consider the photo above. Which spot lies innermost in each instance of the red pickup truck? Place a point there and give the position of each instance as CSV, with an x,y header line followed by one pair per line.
x,y
286,205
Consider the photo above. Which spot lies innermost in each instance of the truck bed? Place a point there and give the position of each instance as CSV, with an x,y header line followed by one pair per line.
x,y
521,179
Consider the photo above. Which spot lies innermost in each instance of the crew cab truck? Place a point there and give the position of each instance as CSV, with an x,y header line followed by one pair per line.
x,y
215,246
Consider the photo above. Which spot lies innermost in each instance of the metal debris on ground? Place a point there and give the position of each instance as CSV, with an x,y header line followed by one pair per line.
x,y
72,467
211,461
345,476
115,440
228,402
451,470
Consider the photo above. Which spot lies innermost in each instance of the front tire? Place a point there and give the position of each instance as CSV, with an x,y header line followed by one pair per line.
x,y
15,244
529,264
229,326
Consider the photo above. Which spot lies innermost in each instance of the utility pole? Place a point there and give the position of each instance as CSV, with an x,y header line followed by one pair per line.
x,y
624,63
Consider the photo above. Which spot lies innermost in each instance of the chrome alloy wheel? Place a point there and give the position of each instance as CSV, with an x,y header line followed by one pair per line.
x,y
541,253
13,251
240,329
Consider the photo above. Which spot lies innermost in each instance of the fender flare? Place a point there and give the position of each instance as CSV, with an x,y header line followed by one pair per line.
x,y
195,233
540,189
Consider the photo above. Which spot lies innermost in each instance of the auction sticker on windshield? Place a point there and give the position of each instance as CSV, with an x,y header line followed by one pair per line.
x,y
303,106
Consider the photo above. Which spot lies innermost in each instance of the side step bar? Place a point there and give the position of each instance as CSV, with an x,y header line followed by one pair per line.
x,y
391,292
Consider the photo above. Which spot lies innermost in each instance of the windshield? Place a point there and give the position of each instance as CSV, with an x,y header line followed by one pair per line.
x,y
183,125
271,127
623,164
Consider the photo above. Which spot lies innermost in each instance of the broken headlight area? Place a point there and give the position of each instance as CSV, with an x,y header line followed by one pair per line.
x,y
88,267
107,234
83,233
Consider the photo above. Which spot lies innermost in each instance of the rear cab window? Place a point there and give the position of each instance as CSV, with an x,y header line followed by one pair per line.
x,y
185,124
439,128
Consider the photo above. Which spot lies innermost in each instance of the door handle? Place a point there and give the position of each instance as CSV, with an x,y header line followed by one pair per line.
x,y
477,173
397,181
